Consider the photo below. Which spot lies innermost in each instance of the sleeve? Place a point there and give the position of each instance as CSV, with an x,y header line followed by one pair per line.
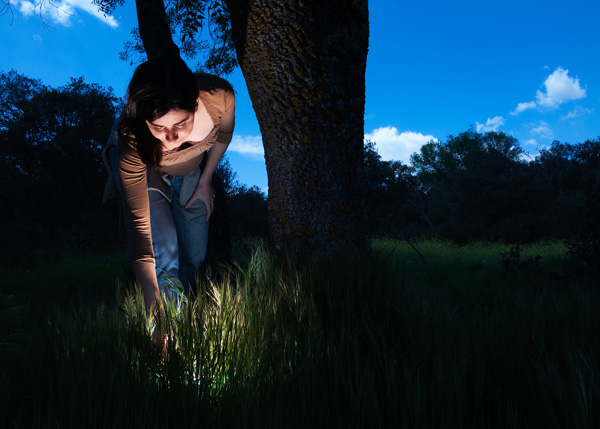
x,y
110,190
133,173
227,119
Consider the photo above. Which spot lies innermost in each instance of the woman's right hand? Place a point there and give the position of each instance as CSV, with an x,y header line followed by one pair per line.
x,y
145,275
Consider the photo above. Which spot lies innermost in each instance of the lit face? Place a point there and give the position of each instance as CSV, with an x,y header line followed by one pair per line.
x,y
173,128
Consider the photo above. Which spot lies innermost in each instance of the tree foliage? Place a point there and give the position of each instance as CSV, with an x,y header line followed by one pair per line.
x,y
482,186
50,143
572,177
248,212
395,201
200,28
246,205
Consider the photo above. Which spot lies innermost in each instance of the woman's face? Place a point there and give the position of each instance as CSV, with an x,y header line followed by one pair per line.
x,y
173,128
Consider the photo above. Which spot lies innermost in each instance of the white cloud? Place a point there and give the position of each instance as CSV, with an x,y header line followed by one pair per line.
x,y
542,130
392,145
60,13
577,112
521,107
492,124
26,8
248,146
560,88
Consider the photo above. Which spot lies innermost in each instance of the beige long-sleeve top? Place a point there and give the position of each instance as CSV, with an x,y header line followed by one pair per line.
x,y
215,120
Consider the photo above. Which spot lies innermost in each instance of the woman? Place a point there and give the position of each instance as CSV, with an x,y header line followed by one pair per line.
x,y
171,118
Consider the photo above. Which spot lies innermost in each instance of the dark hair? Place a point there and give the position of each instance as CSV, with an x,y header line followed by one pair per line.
x,y
159,85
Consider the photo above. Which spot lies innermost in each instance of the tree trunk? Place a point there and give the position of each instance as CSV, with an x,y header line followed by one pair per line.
x,y
154,28
304,63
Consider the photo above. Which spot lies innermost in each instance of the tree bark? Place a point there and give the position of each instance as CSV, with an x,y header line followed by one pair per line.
x,y
154,28
304,62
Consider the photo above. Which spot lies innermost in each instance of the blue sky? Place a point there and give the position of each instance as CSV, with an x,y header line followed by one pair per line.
x,y
435,68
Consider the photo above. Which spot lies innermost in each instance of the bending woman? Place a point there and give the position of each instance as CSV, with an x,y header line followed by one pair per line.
x,y
171,118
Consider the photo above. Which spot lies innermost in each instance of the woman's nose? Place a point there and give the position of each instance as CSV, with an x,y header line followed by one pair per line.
x,y
171,135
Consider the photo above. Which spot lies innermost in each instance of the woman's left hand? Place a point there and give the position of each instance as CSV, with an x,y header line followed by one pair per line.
x,y
205,193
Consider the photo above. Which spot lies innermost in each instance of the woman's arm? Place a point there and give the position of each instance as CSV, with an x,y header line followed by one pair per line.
x,y
203,190
145,274
132,172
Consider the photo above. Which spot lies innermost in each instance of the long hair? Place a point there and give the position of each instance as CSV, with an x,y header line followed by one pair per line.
x,y
159,85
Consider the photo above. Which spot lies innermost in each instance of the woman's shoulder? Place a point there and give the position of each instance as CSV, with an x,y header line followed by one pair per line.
x,y
212,83
216,92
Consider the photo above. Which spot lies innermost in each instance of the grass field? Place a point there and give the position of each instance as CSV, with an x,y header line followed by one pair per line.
x,y
419,334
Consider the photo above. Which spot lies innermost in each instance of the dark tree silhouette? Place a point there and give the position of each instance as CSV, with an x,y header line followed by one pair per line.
x,y
52,173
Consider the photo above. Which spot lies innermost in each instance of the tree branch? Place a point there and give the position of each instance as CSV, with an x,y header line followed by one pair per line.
x,y
154,28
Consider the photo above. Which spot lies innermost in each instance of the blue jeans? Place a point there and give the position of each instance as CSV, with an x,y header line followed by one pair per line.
x,y
179,235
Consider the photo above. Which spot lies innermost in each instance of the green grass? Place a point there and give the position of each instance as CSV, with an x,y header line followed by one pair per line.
x,y
420,334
